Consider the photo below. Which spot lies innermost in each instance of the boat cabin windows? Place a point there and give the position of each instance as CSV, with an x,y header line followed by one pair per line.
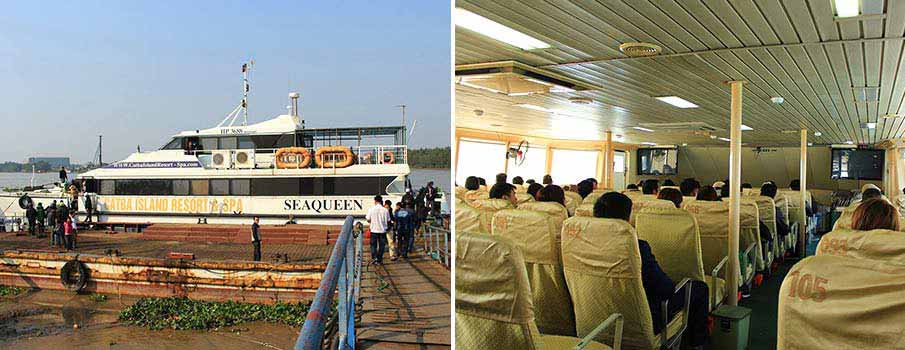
x,y
195,143
303,186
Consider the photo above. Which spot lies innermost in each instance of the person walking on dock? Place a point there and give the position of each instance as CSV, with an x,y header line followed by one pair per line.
x,y
51,222
391,229
89,208
405,227
378,217
40,217
256,238
69,231
63,175
31,215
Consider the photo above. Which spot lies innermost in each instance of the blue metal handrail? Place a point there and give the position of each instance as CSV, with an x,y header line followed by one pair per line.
x,y
436,243
343,271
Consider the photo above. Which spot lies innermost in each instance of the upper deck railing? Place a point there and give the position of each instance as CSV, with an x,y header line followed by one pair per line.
x,y
343,271
363,155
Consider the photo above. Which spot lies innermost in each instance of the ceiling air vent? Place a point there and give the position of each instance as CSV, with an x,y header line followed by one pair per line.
x,y
640,49
866,93
516,79
688,126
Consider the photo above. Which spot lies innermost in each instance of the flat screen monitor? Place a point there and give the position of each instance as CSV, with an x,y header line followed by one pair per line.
x,y
857,164
658,161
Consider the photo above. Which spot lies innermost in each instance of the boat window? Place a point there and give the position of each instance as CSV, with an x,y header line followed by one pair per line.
x,y
572,166
306,186
209,143
343,186
200,188
275,187
397,186
245,142
181,187
176,143
108,187
143,187
228,143
265,141
240,187
220,187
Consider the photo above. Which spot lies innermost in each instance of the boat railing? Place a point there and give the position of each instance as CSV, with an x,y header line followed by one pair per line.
x,y
343,272
393,154
436,243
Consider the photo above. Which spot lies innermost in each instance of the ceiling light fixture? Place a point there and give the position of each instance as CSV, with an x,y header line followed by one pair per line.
x,y
642,128
777,100
818,133
649,143
849,142
746,128
677,101
866,93
684,145
725,139
476,23
713,136
868,125
847,8
810,143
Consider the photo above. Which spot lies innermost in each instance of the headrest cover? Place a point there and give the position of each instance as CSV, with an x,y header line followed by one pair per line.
x,y
551,208
602,247
533,232
491,279
885,245
491,204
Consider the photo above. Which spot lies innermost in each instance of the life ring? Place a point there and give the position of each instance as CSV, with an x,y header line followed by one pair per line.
x,y
25,201
333,157
66,275
389,157
288,158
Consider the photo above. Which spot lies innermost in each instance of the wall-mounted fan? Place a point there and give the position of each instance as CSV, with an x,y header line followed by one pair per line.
x,y
518,153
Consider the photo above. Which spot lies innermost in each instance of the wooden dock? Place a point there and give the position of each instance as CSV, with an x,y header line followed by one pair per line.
x,y
406,305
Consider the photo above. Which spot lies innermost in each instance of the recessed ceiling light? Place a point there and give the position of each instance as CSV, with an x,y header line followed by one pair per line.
x,y
849,142
868,125
866,93
519,94
777,100
891,116
642,128
534,107
684,144
677,101
649,143
746,128
476,23
713,136
581,100
818,133
725,139
810,143
847,8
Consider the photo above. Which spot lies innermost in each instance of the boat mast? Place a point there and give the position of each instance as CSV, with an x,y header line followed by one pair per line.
x,y
402,106
246,67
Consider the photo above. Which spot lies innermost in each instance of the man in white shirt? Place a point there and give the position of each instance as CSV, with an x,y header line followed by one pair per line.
x,y
379,217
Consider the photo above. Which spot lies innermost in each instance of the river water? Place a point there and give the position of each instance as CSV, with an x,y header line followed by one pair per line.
x,y
419,178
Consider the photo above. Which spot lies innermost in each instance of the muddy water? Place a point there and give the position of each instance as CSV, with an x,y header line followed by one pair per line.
x,y
56,320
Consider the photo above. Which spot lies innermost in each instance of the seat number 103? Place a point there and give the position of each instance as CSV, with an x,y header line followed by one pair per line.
x,y
807,286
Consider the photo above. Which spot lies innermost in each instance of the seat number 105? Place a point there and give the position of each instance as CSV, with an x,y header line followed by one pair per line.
x,y
807,286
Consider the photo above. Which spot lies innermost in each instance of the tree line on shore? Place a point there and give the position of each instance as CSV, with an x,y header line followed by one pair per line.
x,y
429,158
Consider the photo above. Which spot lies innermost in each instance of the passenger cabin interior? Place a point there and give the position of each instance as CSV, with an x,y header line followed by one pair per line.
x,y
771,119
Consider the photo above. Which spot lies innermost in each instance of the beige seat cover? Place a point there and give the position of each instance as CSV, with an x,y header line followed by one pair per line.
x,y
674,239
486,208
835,302
536,234
494,307
592,197
573,200
713,222
551,208
468,219
472,195
885,245
766,209
603,271
749,230
640,203
460,192
523,197
585,210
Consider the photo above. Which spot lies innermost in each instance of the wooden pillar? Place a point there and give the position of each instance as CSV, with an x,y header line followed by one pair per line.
x,y
610,161
456,158
735,177
506,159
549,165
803,177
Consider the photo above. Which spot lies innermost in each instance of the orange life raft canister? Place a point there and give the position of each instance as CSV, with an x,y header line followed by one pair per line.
x,y
292,158
333,157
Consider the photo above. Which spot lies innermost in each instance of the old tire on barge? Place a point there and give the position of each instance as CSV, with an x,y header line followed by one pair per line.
x,y
74,266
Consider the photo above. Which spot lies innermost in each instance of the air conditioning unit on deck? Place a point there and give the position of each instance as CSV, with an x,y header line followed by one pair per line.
x,y
245,159
221,159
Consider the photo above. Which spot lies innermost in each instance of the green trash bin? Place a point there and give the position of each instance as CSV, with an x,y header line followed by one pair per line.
x,y
730,328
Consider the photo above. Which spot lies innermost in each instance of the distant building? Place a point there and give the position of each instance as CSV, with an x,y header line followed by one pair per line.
x,y
55,162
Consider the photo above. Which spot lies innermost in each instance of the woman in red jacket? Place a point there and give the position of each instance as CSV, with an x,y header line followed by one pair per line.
x,y
68,231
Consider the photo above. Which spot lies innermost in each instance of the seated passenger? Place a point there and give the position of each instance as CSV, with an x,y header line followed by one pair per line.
x,y
548,180
534,190
482,182
593,181
504,191
874,214
671,194
871,193
585,188
795,185
724,191
472,183
518,180
650,186
631,187
657,285
552,193
529,181
690,187
708,193
668,182
501,178
782,229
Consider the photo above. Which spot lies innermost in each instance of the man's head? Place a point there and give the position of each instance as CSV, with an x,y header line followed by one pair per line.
x,y
257,219
668,182
534,189
585,188
795,185
518,180
631,187
501,178
472,183
503,191
650,186
593,181
378,199
768,189
548,180
871,193
690,187
671,194
430,184
531,181
387,203
553,193
482,182
613,205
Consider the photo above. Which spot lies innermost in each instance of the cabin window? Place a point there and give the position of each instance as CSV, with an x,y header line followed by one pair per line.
x,y
306,186
209,143
275,187
285,141
176,143
344,186
245,142
200,188
532,166
108,187
397,186
228,143
220,187
143,187
181,187
572,166
240,187
484,159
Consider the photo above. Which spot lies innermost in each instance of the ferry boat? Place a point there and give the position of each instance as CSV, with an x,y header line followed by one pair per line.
x,y
275,169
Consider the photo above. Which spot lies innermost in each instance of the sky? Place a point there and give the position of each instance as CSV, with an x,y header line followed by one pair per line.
x,y
138,72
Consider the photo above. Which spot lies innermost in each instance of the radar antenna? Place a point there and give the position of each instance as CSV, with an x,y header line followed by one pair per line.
x,y
242,108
